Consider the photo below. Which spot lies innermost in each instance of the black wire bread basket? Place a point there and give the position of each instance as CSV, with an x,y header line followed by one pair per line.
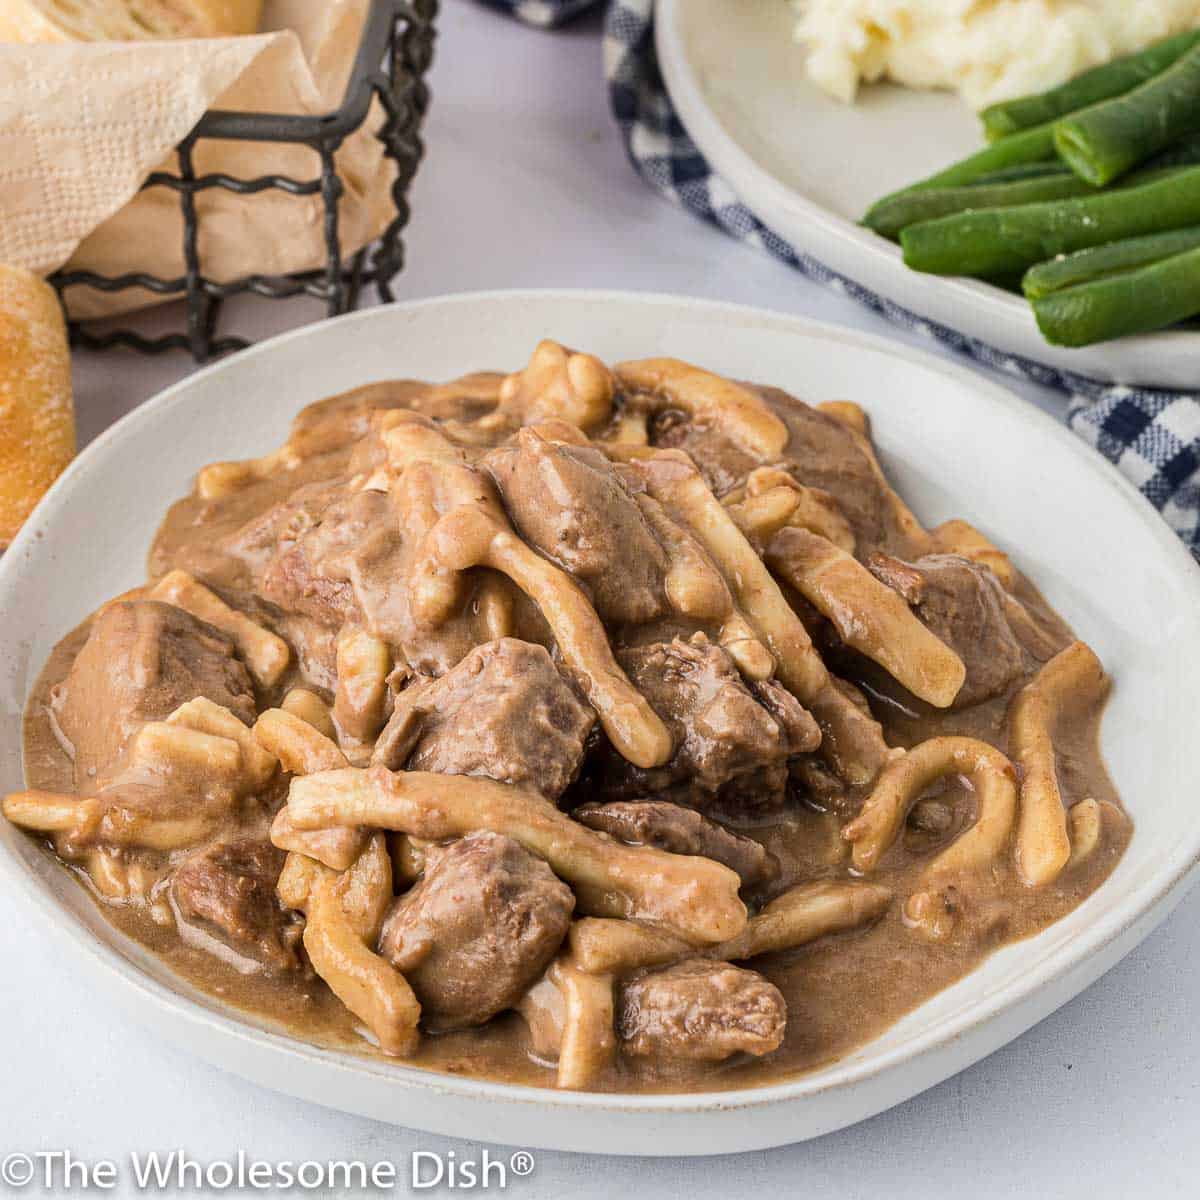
x,y
391,62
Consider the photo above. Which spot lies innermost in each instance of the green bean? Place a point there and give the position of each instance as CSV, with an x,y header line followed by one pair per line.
x,y
1102,261
1185,153
1182,154
1032,146
1106,140
999,241
1143,176
1141,301
889,217
1101,83
1034,170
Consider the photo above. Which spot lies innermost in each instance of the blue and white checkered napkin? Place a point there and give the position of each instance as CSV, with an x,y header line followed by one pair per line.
x,y
1152,436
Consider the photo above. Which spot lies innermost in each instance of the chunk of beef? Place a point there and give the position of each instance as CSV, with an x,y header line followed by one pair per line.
x,y
732,743
504,713
821,453
230,888
477,930
350,566
720,460
825,453
141,661
568,502
244,549
337,421
964,604
339,560
700,1011
680,830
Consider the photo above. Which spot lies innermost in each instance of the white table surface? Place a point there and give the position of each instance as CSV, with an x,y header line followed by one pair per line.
x,y
526,184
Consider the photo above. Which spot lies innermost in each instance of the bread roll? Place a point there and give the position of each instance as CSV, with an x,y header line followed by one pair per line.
x,y
37,420
124,20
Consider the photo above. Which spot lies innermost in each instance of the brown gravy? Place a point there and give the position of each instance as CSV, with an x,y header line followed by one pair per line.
x,y
841,990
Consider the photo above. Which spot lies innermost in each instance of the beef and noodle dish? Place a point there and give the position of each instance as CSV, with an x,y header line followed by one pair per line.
x,y
607,728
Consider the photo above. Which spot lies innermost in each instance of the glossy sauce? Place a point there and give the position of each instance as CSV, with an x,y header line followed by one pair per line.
x,y
840,992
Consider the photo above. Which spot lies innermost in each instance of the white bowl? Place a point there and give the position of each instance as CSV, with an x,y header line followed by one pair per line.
x,y
955,445
809,167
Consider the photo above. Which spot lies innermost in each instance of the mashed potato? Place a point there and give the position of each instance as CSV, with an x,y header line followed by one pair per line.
x,y
987,50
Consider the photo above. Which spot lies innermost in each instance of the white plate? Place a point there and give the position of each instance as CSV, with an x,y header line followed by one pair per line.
x,y
956,446
809,167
